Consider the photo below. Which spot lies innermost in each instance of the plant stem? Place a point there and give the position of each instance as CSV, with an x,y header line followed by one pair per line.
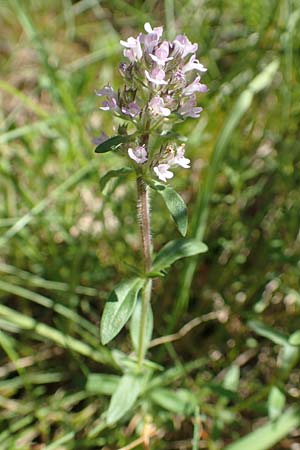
x,y
145,231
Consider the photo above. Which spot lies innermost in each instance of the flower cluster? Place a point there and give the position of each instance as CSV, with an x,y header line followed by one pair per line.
x,y
161,81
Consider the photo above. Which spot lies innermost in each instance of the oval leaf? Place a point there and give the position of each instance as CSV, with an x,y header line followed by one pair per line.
x,y
232,377
124,397
175,250
176,207
181,401
119,308
294,339
111,143
276,403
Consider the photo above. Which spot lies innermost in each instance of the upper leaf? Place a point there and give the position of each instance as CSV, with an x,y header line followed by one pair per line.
x,y
181,401
119,308
175,250
112,143
175,205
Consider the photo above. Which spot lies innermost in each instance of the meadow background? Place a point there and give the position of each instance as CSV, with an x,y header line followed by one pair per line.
x,y
64,243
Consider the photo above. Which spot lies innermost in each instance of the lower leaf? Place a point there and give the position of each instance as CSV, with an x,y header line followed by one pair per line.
x,y
124,398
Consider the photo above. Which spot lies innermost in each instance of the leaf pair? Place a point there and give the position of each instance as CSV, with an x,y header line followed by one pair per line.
x,y
119,308
122,301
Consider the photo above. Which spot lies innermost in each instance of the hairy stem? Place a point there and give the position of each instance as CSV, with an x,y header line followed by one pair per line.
x,y
145,231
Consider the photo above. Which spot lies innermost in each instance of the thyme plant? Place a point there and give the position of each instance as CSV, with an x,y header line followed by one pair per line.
x,y
161,80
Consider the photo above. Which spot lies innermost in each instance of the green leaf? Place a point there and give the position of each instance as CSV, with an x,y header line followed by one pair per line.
x,y
178,402
265,437
276,403
175,205
232,377
135,325
294,338
112,143
268,332
124,397
288,358
114,174
102,383
119,308
175,250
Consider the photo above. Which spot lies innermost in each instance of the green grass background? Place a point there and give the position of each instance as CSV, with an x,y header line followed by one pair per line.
x,y
64,244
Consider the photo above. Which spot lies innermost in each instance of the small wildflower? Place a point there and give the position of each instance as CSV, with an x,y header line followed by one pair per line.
x,y
157,76
184,46
161,54
110,105
151,39
179,159
188,108
163,172
157,107
106,91
195,86
133,50
132,109
139,154
194,64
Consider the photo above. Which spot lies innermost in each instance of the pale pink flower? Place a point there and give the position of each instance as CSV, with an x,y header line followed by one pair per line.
x,y
157,107
195,86
132,109
106,91
189,108
163,173
179,159
193,64
151,39
156,30
133,50
184,46
157,76
139,154
161,54
110,105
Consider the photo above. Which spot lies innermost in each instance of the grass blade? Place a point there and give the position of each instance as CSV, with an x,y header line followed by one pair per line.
x,y
265,437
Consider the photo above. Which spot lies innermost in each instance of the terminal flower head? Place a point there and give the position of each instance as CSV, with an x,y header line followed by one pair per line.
x,y
161,84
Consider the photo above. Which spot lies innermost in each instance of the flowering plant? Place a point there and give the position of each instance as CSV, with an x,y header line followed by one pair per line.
x,y
161,81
